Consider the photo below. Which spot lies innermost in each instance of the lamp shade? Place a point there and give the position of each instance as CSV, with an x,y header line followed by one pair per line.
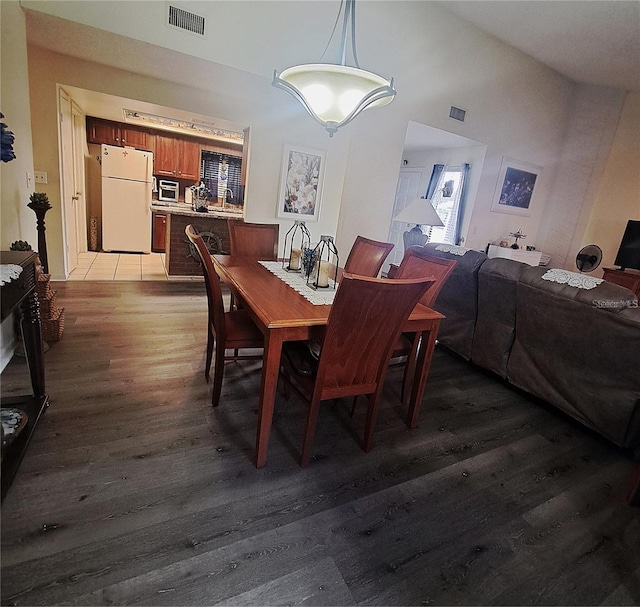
x,y
421,212
335,94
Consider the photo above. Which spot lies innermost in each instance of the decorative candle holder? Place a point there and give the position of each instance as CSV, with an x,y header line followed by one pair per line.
x,y
40,205
292,260
324,268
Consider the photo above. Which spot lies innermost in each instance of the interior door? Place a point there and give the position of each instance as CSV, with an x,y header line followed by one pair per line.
x,y
79,147
69,199
406,191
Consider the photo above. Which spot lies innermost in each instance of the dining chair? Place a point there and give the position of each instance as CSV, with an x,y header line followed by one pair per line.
x,y
367,256
361,332
233,330
257,240
417,263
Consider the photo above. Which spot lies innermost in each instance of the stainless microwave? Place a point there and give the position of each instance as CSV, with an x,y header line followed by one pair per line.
x,y
168,191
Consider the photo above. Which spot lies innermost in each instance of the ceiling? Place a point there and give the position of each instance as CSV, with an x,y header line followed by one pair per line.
x,y
594,42
589,41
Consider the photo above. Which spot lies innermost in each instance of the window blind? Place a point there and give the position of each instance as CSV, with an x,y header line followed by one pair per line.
x,y
220,173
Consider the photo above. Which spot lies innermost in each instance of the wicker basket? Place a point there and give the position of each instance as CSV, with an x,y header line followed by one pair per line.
x,y
52,328
48,307
43,285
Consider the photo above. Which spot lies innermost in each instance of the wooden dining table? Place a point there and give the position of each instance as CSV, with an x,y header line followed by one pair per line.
x,y
282,314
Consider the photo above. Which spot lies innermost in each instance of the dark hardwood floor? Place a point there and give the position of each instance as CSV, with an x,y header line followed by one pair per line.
x,y
135,492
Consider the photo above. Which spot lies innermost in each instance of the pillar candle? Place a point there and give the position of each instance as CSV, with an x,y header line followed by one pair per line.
x,y
323,274
294,259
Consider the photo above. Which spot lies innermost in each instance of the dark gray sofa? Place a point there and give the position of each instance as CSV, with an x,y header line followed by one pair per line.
x,y
577,349
459,297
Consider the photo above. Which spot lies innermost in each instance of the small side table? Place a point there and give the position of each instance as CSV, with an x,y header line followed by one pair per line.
x,y
531,258
625,278
20,294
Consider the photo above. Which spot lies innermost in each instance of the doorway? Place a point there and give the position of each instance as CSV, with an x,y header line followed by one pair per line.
x,y
424,147
74,233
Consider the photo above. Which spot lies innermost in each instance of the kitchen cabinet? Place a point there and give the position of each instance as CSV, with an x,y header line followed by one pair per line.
x,y
159,233
116,133
177,157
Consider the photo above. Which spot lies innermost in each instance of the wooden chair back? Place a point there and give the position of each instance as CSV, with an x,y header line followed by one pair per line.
x,y
363,327
257,240
367,256
212,282
362,330
417,263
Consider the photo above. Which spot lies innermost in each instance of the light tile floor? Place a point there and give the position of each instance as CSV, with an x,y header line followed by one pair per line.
x,y
120,266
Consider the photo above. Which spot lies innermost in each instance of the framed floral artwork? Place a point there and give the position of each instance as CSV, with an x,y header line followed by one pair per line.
x,y
515,187
301,179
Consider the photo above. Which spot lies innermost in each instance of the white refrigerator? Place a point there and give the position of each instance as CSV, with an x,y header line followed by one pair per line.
x,y
127,177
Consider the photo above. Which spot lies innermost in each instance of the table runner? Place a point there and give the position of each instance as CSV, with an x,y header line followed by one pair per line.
x,y
298,283
9,272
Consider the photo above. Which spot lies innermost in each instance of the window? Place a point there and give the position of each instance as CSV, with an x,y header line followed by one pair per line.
x,y
447,200
221,173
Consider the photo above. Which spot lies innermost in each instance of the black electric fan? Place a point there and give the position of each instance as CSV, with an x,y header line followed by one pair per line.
x,y
588,258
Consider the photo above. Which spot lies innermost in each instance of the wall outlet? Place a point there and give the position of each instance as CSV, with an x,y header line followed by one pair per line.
x,y
41,176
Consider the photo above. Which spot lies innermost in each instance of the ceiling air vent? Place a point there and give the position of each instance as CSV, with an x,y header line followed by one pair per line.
x,y
457,114
185,20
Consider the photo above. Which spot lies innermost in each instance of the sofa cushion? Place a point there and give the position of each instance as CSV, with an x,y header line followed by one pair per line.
x,y
496,320
580,350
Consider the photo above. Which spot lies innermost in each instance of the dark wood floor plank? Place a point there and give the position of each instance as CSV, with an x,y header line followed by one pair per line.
x,y
134,491
318,583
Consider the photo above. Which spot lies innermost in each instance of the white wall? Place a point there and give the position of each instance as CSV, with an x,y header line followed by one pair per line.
x,y
233,95
594,117
18,222
618,196
516,106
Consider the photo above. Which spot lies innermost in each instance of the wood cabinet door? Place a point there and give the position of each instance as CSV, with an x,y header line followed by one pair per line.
x,y
177,157
159,233
137,138
189,160
103,131
165,159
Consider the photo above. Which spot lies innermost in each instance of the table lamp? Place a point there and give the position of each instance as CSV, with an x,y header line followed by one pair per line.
x,y
421,213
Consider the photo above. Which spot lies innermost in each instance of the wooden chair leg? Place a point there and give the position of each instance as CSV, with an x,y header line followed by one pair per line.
x,y
634,488
370,424
207,364
310,431
410,370
353,406
218,374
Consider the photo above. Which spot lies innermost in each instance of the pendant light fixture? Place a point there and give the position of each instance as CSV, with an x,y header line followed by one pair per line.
x,y
335,93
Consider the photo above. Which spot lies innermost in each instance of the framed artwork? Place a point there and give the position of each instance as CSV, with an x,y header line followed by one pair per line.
x,y
301,179
515,187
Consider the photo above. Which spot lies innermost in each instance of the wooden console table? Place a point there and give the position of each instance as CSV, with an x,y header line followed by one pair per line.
x,y
624,278
21,294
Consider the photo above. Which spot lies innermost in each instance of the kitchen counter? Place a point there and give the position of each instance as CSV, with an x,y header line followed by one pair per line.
x,y
180,208
180,259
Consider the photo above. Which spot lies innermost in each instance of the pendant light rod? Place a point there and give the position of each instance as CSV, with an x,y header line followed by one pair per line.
x,y
348,14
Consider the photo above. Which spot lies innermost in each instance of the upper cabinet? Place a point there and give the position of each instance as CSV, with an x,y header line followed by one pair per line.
x,y
174,155
177,157
115,133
